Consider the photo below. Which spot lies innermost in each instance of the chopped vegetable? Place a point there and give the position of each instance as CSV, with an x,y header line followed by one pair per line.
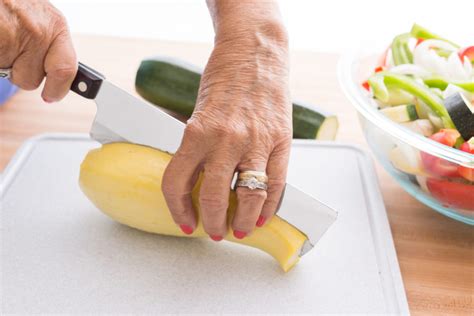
x,y
468,53
439,82
461,112
453,89
468,146
399,97
401,113
425,82
437,122
378,69
448,65
420,32
466,172
401,161
419,41
410,69
439,166
366,86
446,137
420,126
401,52
382,81
452,194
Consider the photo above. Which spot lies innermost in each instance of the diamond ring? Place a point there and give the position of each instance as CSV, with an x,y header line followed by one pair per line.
x,y
252,184
252,180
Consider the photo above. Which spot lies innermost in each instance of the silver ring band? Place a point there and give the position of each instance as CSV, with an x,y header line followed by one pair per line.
x,y
252,184
5,73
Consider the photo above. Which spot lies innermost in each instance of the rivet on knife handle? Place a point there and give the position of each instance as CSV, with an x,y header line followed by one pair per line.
x,y
87,82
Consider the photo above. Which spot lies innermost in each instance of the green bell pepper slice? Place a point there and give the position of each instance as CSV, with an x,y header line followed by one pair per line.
x,y
419,31
401,52
382,82
440,83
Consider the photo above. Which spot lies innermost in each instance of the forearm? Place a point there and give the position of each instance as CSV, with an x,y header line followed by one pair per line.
x,y
248,20
251,45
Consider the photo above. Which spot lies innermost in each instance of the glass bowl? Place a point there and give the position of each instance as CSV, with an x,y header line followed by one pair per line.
x,y
410,158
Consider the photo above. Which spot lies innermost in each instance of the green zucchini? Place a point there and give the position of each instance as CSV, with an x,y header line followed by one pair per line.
x,y
462,113
401,113
173,84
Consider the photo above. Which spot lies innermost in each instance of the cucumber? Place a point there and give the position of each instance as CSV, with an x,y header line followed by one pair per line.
x,y
401,113
461,111
174,84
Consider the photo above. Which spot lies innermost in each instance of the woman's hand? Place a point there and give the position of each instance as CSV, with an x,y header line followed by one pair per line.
x,y
242,122
35,42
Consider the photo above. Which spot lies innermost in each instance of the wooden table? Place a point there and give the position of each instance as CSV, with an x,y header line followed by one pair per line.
x,y
435,253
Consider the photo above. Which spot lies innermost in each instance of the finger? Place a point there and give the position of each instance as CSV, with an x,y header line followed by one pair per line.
x,y
27,70
249,202
60,66
276,172
178,182
214,196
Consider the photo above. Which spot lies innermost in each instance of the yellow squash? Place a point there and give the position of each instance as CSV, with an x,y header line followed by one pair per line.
x,y
124,181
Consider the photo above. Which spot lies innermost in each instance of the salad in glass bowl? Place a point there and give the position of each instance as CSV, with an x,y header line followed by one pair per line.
x,y
416,106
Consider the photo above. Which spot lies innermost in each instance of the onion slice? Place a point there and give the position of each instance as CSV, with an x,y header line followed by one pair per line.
x,y
410,69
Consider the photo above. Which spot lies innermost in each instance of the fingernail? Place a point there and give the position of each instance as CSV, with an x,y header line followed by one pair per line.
x,y
261,221
188,230
239,235
216,237
47,100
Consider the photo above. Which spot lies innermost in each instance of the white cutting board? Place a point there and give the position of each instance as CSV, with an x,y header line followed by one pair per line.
x,y
61,255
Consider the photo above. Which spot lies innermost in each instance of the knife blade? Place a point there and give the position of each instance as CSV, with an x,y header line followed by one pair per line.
x,y
122,117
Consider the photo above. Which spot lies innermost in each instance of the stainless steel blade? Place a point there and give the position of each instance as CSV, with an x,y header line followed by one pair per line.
x,y
123,117
307,214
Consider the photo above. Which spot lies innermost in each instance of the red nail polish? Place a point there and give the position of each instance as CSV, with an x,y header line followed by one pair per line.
x,y
239,235
188,230
216,237
261,221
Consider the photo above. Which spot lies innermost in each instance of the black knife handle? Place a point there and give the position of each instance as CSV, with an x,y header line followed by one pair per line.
x,y
87,82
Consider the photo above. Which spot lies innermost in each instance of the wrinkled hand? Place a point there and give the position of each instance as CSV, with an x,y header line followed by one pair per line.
x,y
35,42
242,121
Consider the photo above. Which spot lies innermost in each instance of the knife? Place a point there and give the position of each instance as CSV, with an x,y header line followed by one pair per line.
x,y
122,117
